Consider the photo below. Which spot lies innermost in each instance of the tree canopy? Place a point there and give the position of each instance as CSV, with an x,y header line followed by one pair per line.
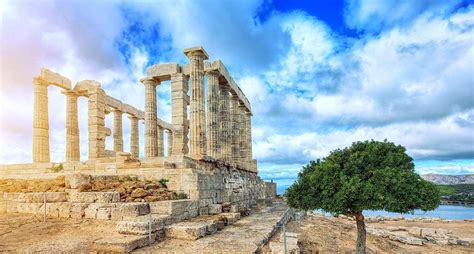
x,y
369,175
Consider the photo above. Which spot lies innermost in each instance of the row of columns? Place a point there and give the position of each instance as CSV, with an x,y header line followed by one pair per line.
x,y
96,126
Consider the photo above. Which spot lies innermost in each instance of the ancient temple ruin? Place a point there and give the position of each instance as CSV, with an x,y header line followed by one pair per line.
x,y
207,169
222,131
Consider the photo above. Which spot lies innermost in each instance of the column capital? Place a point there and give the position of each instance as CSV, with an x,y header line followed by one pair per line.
x,y
196,51
116,110
132,117
38,81
150,81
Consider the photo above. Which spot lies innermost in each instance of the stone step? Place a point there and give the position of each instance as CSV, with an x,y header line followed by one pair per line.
x,y
140,224
200,226
122,243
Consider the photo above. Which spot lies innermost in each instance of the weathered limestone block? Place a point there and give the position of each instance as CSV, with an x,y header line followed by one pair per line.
x,y
94,197
187,230
215,208
90,212
140,225
121,244
77,210
129,210
56,79
64,210
162,71
75,181
172,207
230,218
31,208
103,213
38,197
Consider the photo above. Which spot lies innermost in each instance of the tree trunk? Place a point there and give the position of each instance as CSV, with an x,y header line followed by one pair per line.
x,y
361,234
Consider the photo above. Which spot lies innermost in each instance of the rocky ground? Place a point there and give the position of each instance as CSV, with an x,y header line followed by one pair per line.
x,y
318,234
28,234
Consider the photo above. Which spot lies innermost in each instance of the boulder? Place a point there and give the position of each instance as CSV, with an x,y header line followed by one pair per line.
x,y
138,193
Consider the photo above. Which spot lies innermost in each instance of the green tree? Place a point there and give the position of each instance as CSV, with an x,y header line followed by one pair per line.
x,y
369,175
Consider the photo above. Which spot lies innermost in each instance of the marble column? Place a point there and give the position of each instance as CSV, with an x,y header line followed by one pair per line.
x,y
225,122
235,120
213,135
96,122
179,113
118,131
197,133
159,137
243,134
151,142
40,121
170,142
72,127
248,123
134,137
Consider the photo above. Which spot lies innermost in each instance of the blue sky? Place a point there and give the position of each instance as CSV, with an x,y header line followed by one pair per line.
x,y
319,74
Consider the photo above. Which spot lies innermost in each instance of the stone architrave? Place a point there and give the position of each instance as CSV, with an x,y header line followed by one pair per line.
x,y
225,122
243,134
40,121
179,113
96,122
118,130
159,137
198,144
151,142
134,137
235,120
213,135
72,127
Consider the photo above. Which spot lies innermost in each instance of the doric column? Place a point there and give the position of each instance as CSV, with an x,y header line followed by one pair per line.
x,y
248,123
151,142
235,119
118,133
213,142
40,121
72,127
159,137
170,142
179,113
243,134
225,121
96,122
134,137
197,134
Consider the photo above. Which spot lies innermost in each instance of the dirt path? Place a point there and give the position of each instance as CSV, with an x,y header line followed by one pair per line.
x,y
319,234
27,234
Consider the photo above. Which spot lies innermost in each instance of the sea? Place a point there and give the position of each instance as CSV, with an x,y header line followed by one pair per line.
x,y
448,212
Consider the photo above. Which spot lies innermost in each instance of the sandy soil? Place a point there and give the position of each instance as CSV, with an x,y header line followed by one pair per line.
x,y
27,234
319,234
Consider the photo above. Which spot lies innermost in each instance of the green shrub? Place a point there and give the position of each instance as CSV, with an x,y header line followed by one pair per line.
x,y
180,195
57,168
163,182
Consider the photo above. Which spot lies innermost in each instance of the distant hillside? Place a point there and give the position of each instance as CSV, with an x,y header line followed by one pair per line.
x,y
449,179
